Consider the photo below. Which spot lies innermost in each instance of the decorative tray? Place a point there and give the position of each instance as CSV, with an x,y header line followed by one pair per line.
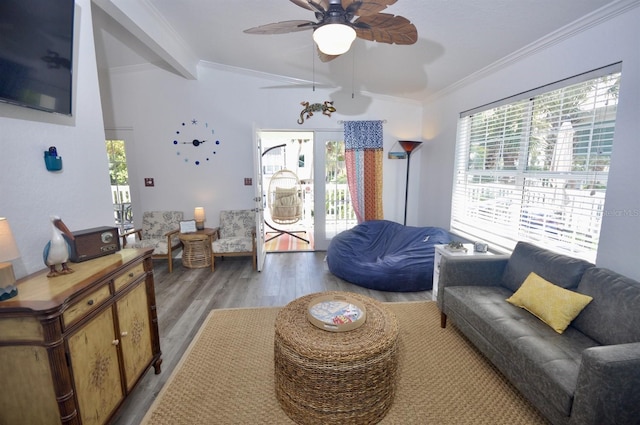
x,y
455,247
336,313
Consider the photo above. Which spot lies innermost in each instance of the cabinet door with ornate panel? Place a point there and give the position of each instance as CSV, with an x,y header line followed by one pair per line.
x,y
93,350
135,333
72,349
27,383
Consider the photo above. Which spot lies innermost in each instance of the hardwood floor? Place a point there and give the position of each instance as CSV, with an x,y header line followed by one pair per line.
x,y
185,297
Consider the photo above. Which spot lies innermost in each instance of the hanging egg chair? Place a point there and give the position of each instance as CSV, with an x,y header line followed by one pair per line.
x,y
285,203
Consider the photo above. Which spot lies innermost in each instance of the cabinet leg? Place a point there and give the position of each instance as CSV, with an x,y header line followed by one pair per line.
x,y
156,366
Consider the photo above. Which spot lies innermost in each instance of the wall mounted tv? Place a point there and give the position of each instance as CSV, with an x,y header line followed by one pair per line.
x,y
36,45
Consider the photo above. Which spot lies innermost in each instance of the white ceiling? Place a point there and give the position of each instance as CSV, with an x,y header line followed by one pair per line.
x,y
456,39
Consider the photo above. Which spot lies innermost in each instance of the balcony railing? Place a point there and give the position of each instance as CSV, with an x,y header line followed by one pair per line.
x,y
121,198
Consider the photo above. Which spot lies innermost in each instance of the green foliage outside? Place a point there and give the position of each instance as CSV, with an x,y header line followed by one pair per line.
x,y
337,203
502,132
336,169
117,162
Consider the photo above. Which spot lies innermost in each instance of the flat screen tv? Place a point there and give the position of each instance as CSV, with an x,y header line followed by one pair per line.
x,y
36,45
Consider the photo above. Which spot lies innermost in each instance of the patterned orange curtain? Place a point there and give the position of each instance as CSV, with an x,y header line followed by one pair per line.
x,y
363,150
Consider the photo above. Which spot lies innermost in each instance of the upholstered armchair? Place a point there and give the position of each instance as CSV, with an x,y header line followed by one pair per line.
x,y
160,230
236,235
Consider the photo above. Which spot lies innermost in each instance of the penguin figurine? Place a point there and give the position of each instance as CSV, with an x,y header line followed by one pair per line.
x,y
56,251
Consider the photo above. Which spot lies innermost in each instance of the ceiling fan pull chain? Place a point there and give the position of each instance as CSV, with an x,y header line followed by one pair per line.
x,y
353,72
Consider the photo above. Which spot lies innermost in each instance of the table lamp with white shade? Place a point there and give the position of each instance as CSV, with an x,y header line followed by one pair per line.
x,y
199,215
8,251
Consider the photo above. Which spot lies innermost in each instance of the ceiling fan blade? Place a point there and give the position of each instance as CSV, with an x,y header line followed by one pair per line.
x,y
323,5
368,7
313,5
305,85
281,27
386,28
302,3
351,9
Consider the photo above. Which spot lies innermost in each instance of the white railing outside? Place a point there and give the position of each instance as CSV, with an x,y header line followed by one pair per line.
x,y
121,198
568,218
339,213
120,194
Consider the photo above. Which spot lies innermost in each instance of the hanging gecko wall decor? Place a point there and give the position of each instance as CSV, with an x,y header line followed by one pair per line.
x,y
326,108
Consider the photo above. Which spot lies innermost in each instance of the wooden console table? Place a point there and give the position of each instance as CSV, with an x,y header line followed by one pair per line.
x,y
73,347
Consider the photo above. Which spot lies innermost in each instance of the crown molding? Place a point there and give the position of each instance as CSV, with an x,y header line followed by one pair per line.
x,y
585,23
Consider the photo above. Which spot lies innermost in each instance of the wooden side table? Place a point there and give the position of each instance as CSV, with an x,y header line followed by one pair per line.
x,y
196,251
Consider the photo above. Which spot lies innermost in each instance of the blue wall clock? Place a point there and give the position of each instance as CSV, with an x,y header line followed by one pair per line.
x,y
195,142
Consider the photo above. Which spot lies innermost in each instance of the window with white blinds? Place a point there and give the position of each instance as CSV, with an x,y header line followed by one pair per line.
x,y
534,167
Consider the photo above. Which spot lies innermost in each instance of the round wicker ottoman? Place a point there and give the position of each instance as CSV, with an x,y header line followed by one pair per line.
x,y
324,377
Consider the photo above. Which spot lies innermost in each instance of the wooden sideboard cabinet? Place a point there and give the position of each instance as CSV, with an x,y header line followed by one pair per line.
x,y
73,347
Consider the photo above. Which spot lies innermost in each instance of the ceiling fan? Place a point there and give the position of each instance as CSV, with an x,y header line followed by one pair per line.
x,y
336,28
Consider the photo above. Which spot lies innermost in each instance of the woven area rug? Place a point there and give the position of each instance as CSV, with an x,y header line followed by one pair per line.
x,y
226,375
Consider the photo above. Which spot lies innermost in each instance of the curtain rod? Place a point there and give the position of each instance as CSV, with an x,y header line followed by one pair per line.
x,y
383,121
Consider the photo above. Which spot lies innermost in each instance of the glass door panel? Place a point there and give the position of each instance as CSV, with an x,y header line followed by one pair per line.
x,y
333,208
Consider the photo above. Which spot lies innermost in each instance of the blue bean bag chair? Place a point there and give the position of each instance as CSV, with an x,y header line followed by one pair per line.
x,y
386,256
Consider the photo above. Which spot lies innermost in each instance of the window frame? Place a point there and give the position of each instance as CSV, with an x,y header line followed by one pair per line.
x,y
517,186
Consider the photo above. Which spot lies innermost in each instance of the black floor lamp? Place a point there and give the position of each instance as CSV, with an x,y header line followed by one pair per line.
x,y
408,146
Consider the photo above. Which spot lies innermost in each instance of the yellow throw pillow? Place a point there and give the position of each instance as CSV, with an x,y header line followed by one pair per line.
x,y
554,305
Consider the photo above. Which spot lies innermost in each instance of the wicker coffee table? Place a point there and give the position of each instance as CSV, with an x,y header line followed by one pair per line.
x,y
324,377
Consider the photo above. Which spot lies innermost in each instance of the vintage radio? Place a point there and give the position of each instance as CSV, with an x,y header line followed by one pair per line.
x,y
92,243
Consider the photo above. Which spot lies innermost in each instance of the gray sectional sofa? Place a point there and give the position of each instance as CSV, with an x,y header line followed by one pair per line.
x,y
587,375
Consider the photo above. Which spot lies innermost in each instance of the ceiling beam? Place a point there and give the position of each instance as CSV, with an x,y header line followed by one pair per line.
x,y
143,21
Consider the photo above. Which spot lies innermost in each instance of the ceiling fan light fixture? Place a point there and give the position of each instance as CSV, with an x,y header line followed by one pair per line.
x,y
334,39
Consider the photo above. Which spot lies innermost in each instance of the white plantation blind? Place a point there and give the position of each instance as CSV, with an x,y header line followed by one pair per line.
x,y
535,168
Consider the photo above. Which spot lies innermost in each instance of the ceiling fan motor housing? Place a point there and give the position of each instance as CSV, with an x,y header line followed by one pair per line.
x,y
336,14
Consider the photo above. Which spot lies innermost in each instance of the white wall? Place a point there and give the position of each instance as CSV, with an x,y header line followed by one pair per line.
x,y
594,46
153,103
79,194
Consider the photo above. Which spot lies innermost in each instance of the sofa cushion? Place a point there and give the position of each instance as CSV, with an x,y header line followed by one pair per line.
x,y
237,224
562,270
613,315
159,246
554,305
232,244
549,362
